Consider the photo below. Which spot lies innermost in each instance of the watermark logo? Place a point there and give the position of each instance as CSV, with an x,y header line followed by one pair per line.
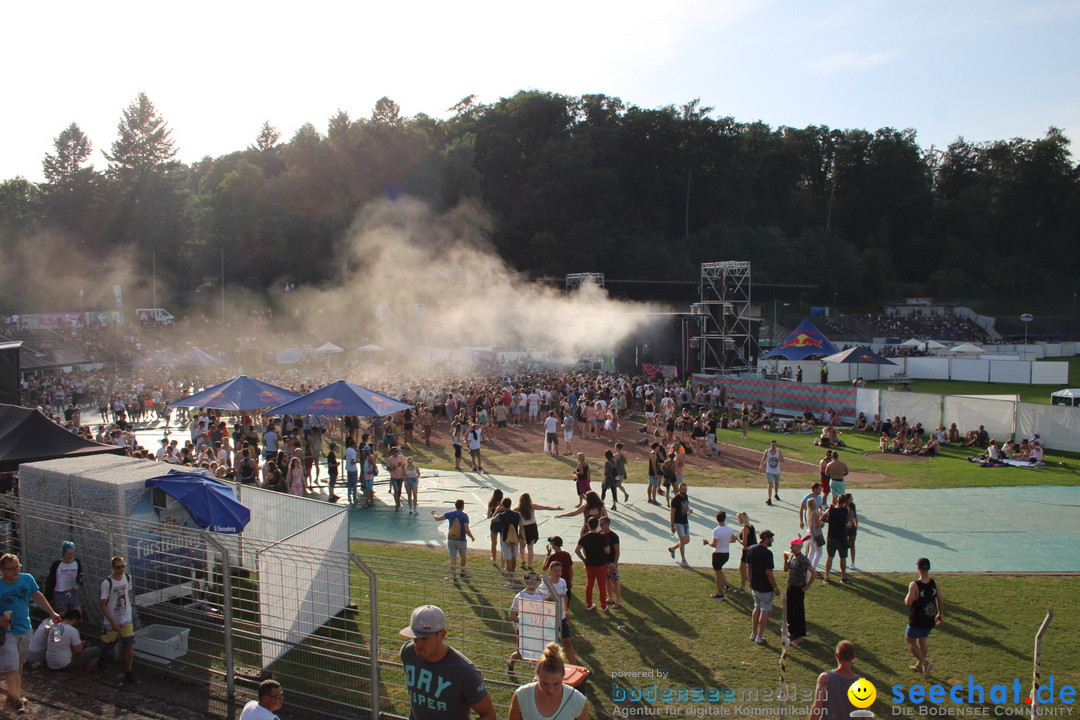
x,y
862,693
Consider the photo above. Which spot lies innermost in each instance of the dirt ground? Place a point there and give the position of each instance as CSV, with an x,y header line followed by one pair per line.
x,y
530,438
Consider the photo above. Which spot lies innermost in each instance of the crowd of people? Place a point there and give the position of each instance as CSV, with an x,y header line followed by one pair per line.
x,y
926,325
290,454
56,643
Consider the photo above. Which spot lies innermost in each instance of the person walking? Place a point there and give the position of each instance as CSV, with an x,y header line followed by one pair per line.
x,y
680,524
456,533
722,537
443,684
770,463
548,697
926,611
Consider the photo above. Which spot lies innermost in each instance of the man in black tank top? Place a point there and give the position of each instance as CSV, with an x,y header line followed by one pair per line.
x,y
927,611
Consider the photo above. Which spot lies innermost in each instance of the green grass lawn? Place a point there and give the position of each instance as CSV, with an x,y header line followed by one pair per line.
x,y
949,470
670,625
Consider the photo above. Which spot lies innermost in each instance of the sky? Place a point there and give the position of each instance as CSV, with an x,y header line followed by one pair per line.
x,y
979,69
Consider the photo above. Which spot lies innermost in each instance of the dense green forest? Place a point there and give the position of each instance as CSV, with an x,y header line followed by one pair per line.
x,y
570,184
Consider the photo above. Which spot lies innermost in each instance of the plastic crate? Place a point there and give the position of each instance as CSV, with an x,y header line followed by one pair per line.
x,y
161,643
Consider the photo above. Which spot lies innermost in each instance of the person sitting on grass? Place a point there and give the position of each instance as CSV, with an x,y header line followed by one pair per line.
x,y
883,442
860,423
931,448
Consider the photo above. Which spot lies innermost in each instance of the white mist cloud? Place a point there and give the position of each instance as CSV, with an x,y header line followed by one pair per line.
x,y
402,256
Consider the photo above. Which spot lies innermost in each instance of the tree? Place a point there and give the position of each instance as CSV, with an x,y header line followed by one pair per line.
x,y
386,112
70,193
64,169
267,139
143,141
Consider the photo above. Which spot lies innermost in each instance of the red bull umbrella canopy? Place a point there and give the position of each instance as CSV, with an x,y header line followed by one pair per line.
x,y
240,393
342,398
804,341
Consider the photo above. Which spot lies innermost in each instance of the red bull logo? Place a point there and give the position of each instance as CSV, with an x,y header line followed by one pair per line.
x,y
218,395
327,403
380,401
803,340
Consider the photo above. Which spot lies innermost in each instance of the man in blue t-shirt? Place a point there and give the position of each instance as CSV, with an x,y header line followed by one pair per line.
x,y
455,537
17,589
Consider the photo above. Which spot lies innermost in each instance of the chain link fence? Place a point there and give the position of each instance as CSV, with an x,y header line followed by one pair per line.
x,y
225,612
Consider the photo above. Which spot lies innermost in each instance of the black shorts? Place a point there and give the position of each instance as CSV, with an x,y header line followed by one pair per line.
x,y
836,545
532,533
565,629
742,557
457,451
719,560
851,538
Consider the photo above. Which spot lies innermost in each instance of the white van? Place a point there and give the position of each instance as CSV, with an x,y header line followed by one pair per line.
x,y
153,315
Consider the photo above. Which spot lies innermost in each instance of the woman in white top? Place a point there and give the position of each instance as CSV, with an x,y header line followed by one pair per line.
x,y
548,698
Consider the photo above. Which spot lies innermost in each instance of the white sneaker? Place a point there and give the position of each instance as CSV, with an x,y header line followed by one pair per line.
x,y
760,640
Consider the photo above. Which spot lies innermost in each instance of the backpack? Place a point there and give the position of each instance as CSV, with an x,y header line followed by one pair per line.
x,y
512,534
455,529
247,472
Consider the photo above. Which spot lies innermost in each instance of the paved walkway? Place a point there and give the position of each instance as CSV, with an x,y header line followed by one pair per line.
x,y
1021,529
1002,529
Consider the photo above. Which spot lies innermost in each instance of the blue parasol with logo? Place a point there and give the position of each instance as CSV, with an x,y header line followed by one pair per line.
x,y
240,393
211,503
341,398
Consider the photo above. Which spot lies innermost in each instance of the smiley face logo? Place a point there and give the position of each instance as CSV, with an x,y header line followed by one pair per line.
x,y
862,693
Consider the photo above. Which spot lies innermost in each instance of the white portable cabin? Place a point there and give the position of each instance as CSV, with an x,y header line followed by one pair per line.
x,y
297,596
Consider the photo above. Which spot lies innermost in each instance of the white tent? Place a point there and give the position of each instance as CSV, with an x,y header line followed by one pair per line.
x,y
912,343
329,348
966,348
934,345
1070,396
288,356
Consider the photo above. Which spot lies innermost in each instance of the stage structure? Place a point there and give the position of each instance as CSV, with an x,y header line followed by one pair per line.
x,y
725,342
576,280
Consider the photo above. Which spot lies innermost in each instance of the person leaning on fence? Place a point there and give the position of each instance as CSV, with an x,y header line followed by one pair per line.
x,y
64,578
548,697
455,537
271,698
17,589
442,683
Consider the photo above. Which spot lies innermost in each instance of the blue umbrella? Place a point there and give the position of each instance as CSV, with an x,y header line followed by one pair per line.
x,y
240,393
341,398
211,503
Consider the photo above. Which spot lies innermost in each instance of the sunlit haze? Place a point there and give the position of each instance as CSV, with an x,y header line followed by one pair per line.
x,y
984,70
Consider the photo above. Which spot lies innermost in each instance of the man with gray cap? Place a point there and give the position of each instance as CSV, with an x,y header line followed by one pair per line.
x,y
762,583
442,682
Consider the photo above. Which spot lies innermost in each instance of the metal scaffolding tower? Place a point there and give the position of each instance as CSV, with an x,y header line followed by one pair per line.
x,y
725,342
576,280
